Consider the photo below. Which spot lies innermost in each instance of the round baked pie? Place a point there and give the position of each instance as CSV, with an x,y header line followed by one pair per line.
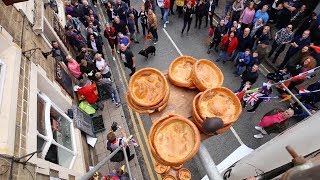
x,y
147,87
184,174
180,71
221,103
161,169
206,75
173,140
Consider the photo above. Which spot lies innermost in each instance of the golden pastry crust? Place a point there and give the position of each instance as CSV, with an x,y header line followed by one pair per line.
x,y
161,169
184,174
177,167
173,140
179,72
221,103
147,87
139,109
168,177
206,75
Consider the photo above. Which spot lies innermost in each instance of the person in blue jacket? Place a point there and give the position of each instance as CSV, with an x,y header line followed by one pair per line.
x,y
242,62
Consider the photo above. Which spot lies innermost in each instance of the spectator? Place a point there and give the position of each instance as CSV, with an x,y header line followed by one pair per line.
x,y
56,52
200,10
315,32
161,6
306,64
70,10
120,26
274,121
210,7
262,50
298,16
106,85
253,60
128,58
86,7
95,44
74,37
86,54
94,29
297,44
153,25
180,4
312,98
87,68
242,61
290,7
73,22
166,11
245,42
262,35
110,11
237,8
262,13
89,93
131,27
121,9
110,34
283,37
228,6
124,40
297,58
102,66
95,22
74,67
236,27
91,32
143,20
247,16
251,75
306,24
217,35
92,13
136,17
229,44
187,19
256,28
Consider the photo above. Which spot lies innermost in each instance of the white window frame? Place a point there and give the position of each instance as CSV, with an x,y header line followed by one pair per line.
x,y
49,137
3,67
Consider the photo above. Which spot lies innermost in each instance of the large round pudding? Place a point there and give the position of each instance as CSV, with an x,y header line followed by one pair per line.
x,y
206,75
147,87
174,140
221,103
180,71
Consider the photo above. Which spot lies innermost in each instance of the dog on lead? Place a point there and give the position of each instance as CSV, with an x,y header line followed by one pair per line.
x,y
147,51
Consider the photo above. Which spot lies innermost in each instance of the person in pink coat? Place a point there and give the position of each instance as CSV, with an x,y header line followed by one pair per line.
x,y
74,67
247,16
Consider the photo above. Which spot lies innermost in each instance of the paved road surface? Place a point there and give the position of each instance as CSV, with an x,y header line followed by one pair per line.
x,y
170,46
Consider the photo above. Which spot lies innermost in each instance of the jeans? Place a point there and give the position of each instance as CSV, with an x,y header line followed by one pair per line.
x,y
223,56
166,15
115,96
185,22
154,33
235,55
162,12
239,69
227,8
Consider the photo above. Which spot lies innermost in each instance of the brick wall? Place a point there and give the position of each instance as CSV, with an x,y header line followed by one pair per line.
x,y
21,31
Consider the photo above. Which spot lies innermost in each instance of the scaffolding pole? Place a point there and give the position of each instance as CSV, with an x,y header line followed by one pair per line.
x,y
208,164
90,173
296,99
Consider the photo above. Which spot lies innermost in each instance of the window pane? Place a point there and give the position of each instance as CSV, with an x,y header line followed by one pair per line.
x,y
40,144
41,127
61,129
59,156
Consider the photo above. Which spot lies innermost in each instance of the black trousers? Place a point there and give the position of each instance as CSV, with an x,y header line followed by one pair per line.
x,y
198,19
133,69
185,22
210,17
278,52
214,42
137,26
144,27
171,5
256,105
291,52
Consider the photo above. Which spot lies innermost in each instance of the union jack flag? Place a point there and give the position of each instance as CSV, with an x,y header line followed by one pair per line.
x,y
252,98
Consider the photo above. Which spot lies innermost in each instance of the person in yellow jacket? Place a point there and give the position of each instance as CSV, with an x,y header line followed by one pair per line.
x,y
180,4
153,25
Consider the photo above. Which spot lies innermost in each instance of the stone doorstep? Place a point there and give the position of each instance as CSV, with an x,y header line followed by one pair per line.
x,y
110,113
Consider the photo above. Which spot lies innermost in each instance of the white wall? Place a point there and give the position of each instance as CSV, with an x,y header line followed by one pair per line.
x,y
27,8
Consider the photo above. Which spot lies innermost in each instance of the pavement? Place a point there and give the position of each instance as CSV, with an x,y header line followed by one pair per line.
x,y
170,46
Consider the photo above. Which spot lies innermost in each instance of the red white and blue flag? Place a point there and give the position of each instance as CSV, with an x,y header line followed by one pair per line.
x,y
252,98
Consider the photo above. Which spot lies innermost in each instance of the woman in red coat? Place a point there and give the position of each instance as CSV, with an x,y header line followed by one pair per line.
x,y
229,44
111,35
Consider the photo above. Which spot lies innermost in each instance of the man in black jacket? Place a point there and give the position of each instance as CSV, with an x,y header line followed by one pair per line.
x,y
219,31
95,44
245,42
251,75
210,7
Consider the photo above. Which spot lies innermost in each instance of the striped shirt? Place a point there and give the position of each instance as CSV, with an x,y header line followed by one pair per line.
x,y
284,36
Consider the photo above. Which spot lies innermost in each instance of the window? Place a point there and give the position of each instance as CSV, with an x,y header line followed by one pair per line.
x,y
2,77
55,134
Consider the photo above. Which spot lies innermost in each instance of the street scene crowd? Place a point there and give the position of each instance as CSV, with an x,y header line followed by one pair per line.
x,y
282,33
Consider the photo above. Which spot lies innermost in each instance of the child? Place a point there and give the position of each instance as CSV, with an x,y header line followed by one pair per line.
x,y
242,62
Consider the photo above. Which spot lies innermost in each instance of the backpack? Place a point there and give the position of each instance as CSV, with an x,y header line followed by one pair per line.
x,y
166,4
119,156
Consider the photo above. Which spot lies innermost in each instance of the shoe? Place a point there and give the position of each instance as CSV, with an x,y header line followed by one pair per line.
x,y
161,17
118,52
208,52
181,34
260,129
258,136
165,25
118,104
155,42
217,60
112,100
113,58
251,111
137,42
167,22
131,157
216,49
172,13
223,62
138,32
